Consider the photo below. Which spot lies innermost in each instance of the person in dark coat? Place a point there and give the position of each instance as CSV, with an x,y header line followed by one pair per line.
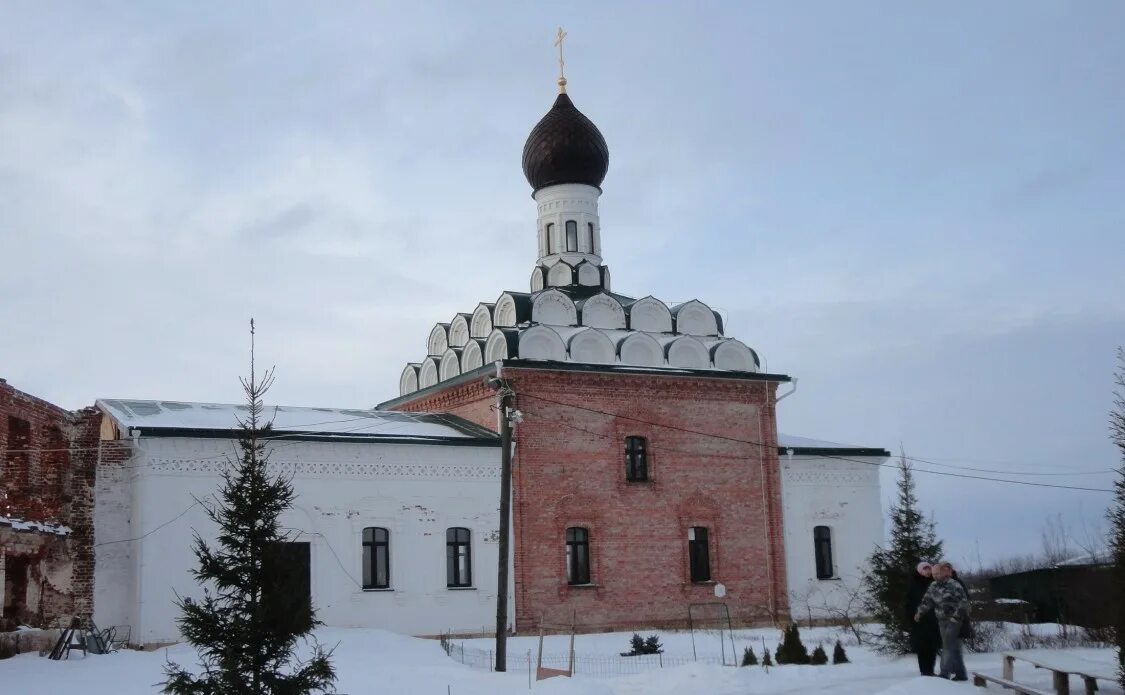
x,y
925,638
949,601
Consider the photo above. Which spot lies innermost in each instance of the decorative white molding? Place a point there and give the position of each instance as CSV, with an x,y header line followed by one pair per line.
x,y
695,318
650,314
554,308
438,341
481,324
458,331
591,346
335,469
829,478
603,311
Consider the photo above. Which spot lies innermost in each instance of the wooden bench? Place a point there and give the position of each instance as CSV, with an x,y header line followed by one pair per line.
x,y
982,680
1062,665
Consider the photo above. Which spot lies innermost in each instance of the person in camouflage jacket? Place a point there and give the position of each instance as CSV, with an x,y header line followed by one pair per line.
x,y
950,603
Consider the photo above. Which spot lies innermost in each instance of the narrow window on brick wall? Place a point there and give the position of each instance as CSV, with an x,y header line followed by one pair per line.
x,y
376,558
458,557
822,546
636,459
571,235
699,555
577,556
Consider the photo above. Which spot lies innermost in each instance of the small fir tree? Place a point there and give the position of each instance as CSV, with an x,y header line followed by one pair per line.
x,y
246,627
1116,511
819,657
766,660
749,658
839,656
652,645
889,573
792,650
636,646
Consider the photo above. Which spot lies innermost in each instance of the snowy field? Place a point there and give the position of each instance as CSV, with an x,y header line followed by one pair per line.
x,y
377,662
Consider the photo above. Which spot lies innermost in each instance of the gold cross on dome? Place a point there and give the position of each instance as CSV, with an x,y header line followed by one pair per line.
x,y
562,63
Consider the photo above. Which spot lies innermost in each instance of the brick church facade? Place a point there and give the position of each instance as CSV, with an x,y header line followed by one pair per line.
x,y
570,473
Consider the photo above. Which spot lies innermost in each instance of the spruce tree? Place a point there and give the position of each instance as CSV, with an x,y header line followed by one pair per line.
x,y
887,579
839,656
819,657
749,658
792,650
246,627
1116,511
766,660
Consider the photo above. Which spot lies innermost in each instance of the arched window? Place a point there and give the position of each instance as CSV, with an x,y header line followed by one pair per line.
x,y
577,556
550,239
571,235
590,237
458,557
636,459
822,546
699,555
376,558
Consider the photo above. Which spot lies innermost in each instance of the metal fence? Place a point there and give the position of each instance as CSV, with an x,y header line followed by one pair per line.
x,y
588,665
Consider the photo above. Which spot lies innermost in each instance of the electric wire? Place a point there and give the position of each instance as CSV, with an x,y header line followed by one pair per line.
x,y
839,458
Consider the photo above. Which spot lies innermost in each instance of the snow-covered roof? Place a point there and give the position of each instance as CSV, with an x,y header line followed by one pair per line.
x,y
154,418
799,444
44,526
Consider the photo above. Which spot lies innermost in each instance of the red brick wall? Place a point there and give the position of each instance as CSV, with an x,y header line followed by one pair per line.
x,y
34,464
569,471
50,477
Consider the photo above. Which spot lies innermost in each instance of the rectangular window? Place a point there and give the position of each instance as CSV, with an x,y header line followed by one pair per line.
x,y
376,558
698,554
636,459
571,235
550,238
822,546
577,556
458,557
590,237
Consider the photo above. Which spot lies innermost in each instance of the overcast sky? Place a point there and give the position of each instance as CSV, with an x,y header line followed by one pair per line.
x,y
920,213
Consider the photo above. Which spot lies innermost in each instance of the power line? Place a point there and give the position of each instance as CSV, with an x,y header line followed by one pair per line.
x,y
839,458
1099,471
146,535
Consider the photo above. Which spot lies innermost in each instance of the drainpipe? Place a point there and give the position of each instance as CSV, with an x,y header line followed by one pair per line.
x,y
788,393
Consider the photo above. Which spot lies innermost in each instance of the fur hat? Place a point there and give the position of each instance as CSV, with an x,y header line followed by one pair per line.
x,y
923,565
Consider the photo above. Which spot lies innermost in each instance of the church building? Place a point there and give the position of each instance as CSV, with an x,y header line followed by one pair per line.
x,y
649,474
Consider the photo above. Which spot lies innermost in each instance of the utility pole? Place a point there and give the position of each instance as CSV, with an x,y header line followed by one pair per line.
x,y
505,401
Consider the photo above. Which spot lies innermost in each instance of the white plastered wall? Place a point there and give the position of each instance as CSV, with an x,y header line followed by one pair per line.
x,y
415,491
844,496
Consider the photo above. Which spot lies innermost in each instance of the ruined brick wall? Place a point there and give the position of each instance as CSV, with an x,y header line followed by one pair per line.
x,y
48,464
34,456
712,463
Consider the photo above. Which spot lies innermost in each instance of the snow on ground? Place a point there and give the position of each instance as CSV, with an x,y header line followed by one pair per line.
x,y
375,661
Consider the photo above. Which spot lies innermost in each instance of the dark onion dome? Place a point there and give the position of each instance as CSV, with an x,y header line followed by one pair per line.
x,y
565,147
